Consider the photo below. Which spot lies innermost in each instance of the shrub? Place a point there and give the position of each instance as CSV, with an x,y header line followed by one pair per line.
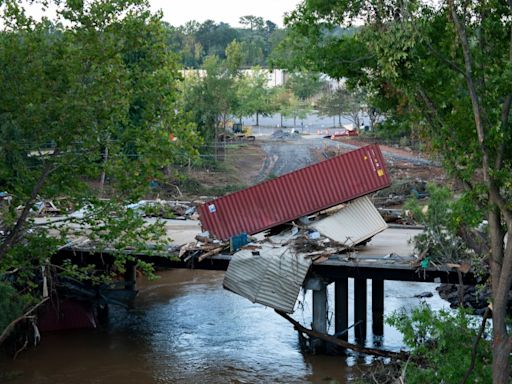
x,y
441,344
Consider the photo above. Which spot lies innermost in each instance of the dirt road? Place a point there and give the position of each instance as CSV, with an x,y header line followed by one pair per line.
x,y
269,157
283,156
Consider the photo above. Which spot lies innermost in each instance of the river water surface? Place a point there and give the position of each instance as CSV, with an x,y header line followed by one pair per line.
x,y
187,329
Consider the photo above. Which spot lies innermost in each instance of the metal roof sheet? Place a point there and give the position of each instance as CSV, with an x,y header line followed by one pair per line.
x,y
299,193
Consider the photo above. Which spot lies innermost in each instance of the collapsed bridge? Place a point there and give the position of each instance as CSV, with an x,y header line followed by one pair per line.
x,y
326,213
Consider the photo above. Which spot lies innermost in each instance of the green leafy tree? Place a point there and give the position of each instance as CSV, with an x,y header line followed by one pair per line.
x,y
341,102
296,109
282,100
194,41
234,58
215,37
182,40
254,96
212,99
444,68
447,222
441,346
255,39
92,95
253,22
331,104
305,85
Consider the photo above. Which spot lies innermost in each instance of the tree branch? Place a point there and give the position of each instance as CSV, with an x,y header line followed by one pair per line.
x,y
433,116
468,64
7,331
452,64
487,315
505,114
13,234
505,277
340,342
494,195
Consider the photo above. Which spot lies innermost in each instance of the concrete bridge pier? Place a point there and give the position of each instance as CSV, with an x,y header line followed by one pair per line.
x,y
360,304
130,276
320,309
341,308
319,324
378,307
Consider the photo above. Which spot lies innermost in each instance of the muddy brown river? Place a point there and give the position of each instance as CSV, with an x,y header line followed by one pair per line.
x,y
187,329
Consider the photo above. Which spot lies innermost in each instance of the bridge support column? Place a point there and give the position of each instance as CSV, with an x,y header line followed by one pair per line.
x,y
378,307
319,288
360,303
130,276
341,307
320,309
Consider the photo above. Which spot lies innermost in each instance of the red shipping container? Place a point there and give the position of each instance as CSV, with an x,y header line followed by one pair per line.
x,y
296,194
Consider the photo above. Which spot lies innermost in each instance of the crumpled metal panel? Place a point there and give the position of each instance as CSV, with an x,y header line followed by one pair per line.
x,y
273,278
299,193
358,221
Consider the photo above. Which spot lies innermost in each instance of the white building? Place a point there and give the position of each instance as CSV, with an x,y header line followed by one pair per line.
x,y
275,77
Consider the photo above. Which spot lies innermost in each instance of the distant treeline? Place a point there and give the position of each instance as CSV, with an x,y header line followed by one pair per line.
x,y
194,41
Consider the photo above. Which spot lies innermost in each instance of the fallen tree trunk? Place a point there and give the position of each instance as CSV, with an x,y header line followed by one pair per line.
x,y
344,344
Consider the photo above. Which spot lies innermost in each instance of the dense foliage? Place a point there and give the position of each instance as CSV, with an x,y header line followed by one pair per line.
x,y
443,69
88,101
194,41
441,344
447,221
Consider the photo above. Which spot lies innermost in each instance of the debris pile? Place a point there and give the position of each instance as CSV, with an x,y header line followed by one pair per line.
x,y
165,209
398,193
271,269
326,208
44,208
284,135
204,246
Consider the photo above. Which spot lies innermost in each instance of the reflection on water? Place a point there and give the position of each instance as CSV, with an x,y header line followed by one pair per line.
x,y
187,329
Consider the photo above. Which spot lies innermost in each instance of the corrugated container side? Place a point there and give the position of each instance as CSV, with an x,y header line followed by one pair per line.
x,y
299,193
272,278
353,224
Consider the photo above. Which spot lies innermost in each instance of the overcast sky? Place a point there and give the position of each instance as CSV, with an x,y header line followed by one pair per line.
x,y
178,12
